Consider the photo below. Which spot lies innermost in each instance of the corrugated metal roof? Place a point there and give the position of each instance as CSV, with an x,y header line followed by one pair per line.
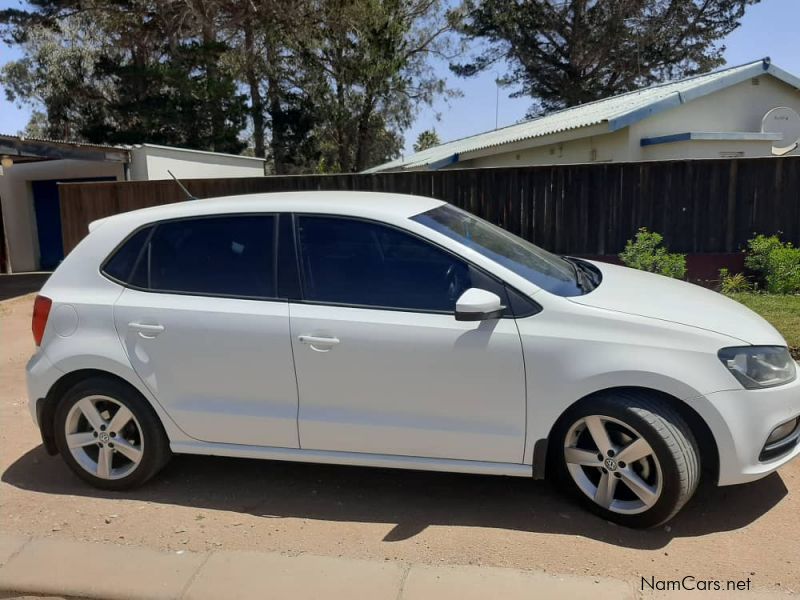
x,y
618,111
35,140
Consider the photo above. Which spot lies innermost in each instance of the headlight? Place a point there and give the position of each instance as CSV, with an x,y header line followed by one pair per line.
x,y
759,366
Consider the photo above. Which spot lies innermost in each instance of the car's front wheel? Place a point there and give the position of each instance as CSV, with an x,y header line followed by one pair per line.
x,y
628,456
109,435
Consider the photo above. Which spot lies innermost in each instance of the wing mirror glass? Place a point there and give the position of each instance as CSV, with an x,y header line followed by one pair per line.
x,y
478,305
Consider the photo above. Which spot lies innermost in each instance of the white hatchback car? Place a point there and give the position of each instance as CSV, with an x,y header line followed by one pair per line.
x,y
399,331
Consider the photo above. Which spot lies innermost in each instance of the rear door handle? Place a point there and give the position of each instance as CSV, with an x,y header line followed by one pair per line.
x,y
320,344
146,330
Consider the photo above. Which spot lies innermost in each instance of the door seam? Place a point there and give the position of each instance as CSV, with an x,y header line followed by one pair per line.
x,y
296,382
525,384
145,390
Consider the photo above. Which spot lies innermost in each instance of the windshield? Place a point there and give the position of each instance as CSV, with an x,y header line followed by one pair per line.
x,y
545,270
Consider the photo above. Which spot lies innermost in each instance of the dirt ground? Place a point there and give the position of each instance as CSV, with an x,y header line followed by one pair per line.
x,y
202,503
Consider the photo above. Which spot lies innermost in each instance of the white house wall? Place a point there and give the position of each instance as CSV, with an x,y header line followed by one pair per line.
x,y
707,149
153,162
19,218
738,108
608,147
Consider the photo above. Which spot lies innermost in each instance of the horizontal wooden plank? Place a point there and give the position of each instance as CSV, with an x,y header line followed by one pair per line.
x,y
699,206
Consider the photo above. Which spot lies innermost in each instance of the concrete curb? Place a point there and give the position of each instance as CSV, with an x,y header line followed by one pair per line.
x,y
52,566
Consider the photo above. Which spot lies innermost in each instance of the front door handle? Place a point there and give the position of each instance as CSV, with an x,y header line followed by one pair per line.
x,y
146,330
320,344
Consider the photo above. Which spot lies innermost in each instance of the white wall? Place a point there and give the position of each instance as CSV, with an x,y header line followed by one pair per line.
x,y
16,195
150,162
707,149
607,147
738,108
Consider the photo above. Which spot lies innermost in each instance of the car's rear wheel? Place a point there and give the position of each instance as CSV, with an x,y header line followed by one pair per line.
x,y
109,435
629,457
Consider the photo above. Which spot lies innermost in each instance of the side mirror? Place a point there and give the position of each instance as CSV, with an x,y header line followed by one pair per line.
x,y
478,305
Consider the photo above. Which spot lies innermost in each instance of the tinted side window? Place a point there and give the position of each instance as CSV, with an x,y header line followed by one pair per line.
x,y
347,261
226,256
122,262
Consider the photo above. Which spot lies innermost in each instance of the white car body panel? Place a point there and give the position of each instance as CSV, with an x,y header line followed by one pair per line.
x,y
650,295
410,384
368,400
386,461
236,384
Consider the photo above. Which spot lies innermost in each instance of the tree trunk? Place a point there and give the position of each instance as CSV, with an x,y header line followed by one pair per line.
x,y
278,141
363,134
256,101
214,109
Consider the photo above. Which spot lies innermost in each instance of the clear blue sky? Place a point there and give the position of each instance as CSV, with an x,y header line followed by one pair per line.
x,y
768,29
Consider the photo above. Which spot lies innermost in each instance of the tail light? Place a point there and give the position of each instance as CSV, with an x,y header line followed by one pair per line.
x,y
41,310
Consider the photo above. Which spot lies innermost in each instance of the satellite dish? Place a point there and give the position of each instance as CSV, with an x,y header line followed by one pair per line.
x,y
786,121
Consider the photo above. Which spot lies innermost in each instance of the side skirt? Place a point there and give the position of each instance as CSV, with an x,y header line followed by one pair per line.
x,y
354,459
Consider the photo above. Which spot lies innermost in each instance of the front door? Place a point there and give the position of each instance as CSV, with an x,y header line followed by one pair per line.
x,y
383,366
206,333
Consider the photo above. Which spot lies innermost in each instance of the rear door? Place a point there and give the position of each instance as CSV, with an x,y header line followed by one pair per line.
x,y
204,328
383,366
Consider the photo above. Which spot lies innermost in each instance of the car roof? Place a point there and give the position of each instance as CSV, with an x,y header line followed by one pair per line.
x,y
376,205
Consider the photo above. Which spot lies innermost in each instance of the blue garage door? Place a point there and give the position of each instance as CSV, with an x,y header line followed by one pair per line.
x,y
48,219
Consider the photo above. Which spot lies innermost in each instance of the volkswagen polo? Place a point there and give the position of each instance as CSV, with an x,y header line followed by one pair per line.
x,y
399,331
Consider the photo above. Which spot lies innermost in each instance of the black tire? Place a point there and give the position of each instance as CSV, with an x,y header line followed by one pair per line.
x,y
670,438
155,453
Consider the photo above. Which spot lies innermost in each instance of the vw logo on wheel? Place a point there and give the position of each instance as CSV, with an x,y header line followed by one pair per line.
x,y
611,464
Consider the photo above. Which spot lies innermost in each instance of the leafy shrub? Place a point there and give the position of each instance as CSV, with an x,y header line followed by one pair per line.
x,y
783,270
733,284
758,250
646,253
776,264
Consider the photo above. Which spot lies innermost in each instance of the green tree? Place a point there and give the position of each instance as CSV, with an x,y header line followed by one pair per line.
x,y
126,71
57,74
563,53
371,66
426,139
316,85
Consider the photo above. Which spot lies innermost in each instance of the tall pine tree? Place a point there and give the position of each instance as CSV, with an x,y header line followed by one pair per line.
x,y
567,52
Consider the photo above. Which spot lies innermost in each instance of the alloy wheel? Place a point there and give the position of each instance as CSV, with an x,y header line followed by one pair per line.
x,y
104,437
613,464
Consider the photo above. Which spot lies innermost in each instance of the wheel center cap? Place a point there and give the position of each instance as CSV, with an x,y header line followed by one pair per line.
x,y
611,464
104,437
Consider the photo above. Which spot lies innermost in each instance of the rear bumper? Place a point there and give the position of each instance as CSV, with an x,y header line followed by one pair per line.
x,y
40,375
749,416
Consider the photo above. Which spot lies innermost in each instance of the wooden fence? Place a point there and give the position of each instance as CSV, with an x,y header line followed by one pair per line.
x,y
700,206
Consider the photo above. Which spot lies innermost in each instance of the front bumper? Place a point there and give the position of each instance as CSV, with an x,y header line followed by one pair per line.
x,y
747,417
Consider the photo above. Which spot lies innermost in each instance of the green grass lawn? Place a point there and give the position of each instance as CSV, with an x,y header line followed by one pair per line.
x,y
782,311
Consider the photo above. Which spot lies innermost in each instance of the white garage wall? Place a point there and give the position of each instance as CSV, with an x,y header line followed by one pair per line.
x,y
150,162
19,218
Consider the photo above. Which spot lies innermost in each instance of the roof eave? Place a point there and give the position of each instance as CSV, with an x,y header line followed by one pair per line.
x,y
784,76
443,162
